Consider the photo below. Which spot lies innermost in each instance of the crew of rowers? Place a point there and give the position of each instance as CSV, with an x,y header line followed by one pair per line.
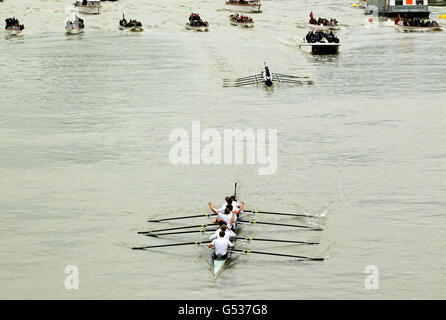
x,y
227,216
323,21
241,19
266,75
195,21
13,23
318,36
414,22
129,24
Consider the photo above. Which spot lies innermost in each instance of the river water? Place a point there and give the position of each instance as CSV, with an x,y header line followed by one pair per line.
x,y
84,154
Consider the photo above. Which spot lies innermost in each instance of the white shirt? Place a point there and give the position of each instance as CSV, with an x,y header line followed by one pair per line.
x,y
228,234
235,206
221,246
227,218
222,208
265,77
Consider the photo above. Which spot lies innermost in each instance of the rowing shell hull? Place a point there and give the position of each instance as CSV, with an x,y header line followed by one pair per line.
x,y
219,265
200,29
248,8
402,28
268,84
321,48
322,27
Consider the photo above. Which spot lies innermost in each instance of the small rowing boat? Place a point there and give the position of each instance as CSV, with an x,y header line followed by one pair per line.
x,y
88,6
241,21
244,5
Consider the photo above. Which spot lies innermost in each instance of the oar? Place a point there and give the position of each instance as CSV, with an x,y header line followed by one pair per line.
x,y
241,82
171,245
278,254
288,76
239,85
281,224
253,78
276,240
281,213
295,81
184,217
243,77
235,190
179,232
176,228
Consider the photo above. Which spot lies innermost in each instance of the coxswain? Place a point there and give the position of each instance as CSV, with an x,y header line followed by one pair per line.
x,y
229,234
221,246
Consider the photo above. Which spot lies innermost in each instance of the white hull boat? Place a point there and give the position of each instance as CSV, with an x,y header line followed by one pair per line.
x,y
245,6
92,7
403,28
197,28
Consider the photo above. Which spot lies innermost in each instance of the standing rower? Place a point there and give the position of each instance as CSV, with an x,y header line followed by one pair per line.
x,y
221,246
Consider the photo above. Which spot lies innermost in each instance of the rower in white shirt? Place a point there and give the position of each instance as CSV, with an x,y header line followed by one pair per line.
x,y
230,200
229,234
221,246
228,215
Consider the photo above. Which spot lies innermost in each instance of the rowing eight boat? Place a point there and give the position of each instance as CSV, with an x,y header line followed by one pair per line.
x,y
218,265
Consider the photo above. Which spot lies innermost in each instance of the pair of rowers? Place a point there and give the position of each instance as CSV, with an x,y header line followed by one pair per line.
x,y
226,217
